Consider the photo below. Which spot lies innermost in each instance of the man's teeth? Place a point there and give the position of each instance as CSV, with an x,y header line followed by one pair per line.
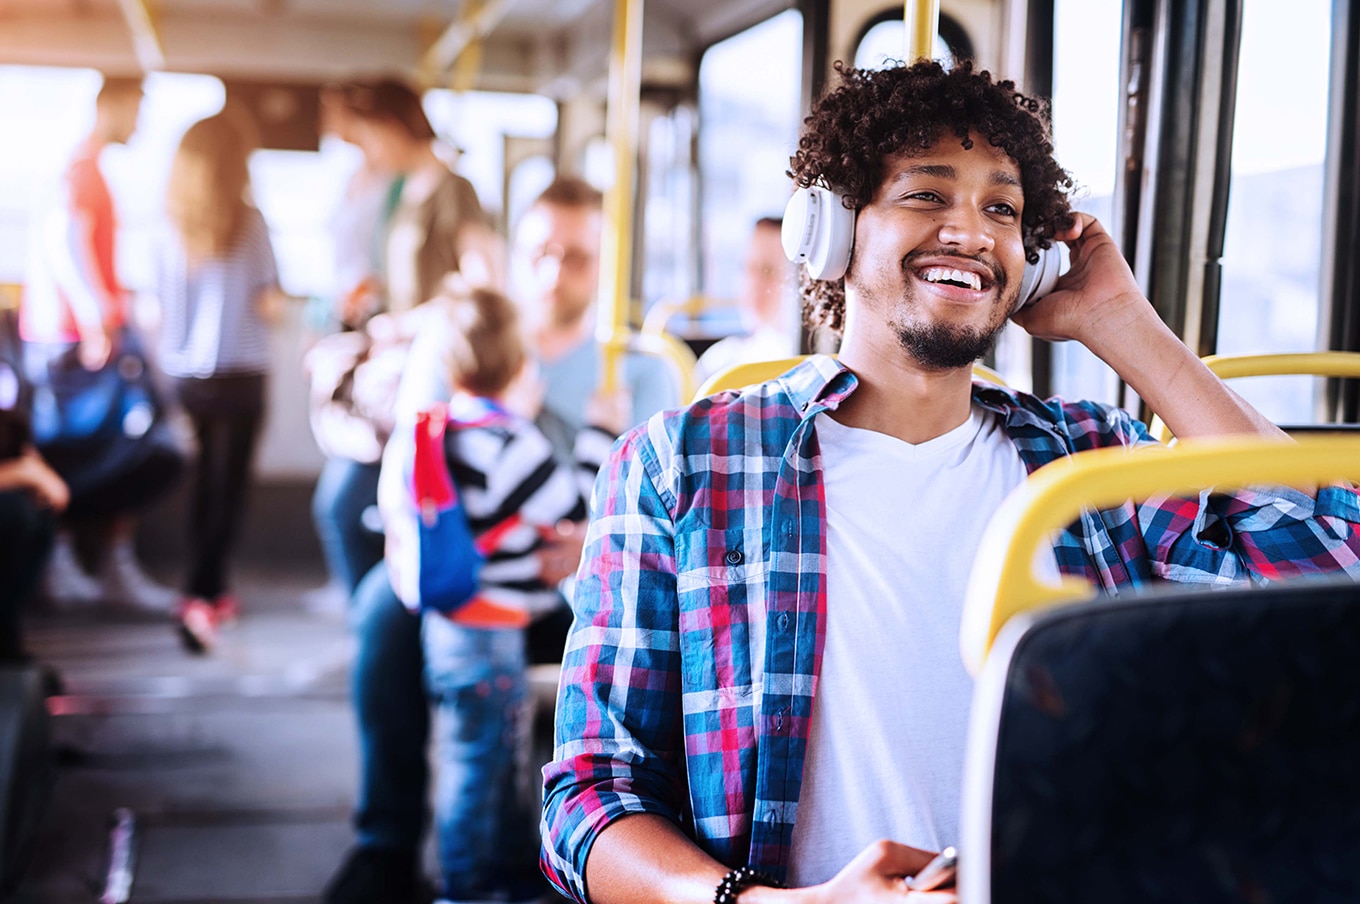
x,y
942,274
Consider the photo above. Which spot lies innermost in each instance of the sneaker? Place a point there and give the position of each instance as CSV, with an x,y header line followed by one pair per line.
x,y
65,583
227,608
197,625
125,582
375,876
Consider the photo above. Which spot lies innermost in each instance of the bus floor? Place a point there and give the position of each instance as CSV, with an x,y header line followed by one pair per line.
x,y
237,768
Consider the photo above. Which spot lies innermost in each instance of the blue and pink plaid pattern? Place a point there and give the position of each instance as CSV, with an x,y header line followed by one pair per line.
x,y
689,677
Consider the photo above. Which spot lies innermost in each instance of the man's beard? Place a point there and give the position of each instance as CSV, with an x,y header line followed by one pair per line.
x,y
939,346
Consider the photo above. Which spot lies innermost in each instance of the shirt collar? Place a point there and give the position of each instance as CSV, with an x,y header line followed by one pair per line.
x,y
817,384
822,383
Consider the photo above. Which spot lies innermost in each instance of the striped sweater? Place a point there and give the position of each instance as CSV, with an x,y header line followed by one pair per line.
x,y
501,469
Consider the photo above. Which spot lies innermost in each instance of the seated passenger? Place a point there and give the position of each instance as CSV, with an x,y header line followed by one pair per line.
x,y
31,494
556,284
75,324
763,685
510,486
766,307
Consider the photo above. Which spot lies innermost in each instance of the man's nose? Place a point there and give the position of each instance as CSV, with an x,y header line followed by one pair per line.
x,y
967,229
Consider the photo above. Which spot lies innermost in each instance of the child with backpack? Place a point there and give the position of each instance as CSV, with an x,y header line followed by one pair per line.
x,y
467,502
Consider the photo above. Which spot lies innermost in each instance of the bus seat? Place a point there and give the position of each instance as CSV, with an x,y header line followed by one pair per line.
x,y
739,375
25,767
1318,364
1156,749
1173,746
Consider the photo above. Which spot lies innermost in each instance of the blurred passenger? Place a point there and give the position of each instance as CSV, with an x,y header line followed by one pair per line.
x,y
475,667
436,226
218,286
557,256
558,242
30,494
360,219
768,313
74,318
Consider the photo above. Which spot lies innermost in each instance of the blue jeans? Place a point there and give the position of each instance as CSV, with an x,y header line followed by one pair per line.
x,y
393,715
487,834
344,491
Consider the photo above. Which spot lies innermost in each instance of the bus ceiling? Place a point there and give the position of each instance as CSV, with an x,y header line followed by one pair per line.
x,y
554,47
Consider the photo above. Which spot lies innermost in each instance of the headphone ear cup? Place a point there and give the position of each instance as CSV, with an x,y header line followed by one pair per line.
x,y
1040,278
818,232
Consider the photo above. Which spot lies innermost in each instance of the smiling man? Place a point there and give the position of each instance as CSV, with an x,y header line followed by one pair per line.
x,y
763,685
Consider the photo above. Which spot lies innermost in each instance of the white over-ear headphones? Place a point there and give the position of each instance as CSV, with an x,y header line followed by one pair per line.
x,y
819,233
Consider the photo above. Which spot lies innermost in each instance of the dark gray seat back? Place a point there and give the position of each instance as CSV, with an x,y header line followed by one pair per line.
x,y
1197,747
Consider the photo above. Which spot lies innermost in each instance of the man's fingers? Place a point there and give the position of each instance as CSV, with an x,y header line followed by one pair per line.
x,y
944,896
892,859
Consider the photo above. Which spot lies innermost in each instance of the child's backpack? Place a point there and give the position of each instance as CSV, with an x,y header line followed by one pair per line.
x,y
451,556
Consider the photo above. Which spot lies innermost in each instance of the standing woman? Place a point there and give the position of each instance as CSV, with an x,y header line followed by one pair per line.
x,y
218,286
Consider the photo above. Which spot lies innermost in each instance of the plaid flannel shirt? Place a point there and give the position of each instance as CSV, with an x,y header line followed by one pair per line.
x,y
689,676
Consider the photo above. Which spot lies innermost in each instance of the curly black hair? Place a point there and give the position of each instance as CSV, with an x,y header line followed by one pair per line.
x,y
873,114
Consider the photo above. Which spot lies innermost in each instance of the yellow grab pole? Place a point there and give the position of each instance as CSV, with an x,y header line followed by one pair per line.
x,y
625,84
922,18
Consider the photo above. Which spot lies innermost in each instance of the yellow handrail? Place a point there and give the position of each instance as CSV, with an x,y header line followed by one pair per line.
x,y
1003,583
922,20
660,313
1228,367
625,85
675,353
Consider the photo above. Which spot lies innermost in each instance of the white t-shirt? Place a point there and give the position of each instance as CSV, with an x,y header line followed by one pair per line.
x,y
903,523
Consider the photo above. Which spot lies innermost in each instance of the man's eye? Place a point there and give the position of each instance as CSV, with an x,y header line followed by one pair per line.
x,y
929,196
1005,210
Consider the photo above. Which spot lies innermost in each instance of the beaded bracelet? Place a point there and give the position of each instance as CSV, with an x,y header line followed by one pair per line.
x,y
738,880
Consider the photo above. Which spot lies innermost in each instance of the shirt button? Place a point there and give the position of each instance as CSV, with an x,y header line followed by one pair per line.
x,y
783,621
734,557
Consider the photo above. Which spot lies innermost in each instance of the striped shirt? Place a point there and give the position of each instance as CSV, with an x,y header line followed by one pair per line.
x,y
689,676
210,325
502,468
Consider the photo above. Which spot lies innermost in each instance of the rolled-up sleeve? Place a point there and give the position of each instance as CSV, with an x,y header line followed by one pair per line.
x,y
619,736
1258,534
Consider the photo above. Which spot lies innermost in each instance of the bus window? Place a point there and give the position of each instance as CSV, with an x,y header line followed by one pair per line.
x,y
527,181
1271,258
749,112
668,220
477,122
53,109
1086,98
884,43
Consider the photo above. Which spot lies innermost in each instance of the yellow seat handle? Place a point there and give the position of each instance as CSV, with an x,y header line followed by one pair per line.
x,y
1003,583
1229,367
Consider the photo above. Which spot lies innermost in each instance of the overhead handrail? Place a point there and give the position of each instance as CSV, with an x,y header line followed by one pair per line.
x,y
1228,367
1003,583
146,39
